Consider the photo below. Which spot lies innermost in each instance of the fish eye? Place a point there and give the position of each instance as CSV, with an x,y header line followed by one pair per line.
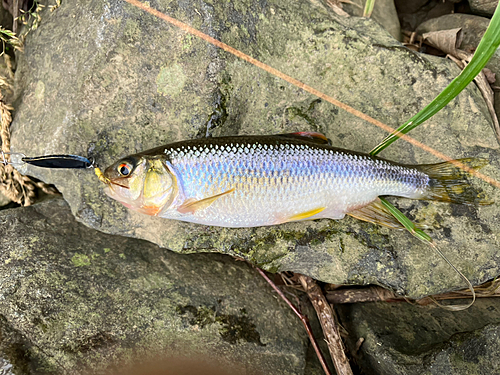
x,y
124,169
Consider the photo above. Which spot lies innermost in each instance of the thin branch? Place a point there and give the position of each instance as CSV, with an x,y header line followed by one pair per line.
x,y
490,289
367,294
330,330
303,318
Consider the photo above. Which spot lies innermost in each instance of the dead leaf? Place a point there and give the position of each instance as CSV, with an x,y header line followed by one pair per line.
x,y
447,41
484,86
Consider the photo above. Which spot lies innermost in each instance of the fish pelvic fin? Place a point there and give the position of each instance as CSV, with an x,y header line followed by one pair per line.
x,y
376,213
450,183
191,205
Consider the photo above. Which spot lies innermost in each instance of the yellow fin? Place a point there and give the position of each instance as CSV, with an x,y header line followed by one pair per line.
x,y
376,213
192,205
304,215
449,183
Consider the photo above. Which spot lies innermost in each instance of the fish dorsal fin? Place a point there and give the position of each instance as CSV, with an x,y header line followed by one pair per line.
x,y
376,213
307,136
191,205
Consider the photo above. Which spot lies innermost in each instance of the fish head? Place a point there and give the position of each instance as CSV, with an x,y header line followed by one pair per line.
x,y
142,183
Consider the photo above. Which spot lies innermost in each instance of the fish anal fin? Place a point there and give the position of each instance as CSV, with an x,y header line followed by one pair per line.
x,y
192,205
307,136
376,213
302,215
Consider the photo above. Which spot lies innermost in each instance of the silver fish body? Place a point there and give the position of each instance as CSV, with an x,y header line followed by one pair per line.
x,y
267,180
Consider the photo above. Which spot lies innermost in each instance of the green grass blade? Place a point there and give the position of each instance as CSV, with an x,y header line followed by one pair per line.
x,y
488,45
8,37
407,223
424,237
368,8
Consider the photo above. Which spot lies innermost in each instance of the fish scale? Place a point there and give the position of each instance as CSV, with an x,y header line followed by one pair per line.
x,y
275,179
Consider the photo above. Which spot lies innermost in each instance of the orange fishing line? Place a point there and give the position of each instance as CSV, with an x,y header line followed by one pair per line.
x,y
307,88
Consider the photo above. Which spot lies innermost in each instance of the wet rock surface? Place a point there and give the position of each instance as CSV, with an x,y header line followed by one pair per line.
x,y
403,339
77,301
106,79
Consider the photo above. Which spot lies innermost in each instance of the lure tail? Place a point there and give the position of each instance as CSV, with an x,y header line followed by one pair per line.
x,y
450,183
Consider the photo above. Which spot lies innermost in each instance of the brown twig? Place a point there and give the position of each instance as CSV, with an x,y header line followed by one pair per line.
x,y
330,330
378,294
336,6
354,295
303,318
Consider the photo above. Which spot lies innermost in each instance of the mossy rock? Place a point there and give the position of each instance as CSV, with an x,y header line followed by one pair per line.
x,y
105,78
74,300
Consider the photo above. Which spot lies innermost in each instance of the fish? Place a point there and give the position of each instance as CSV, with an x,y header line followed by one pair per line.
x,y
262,180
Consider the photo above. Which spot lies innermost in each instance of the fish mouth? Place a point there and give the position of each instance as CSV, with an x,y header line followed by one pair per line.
x,y
110,185
113,182
108,181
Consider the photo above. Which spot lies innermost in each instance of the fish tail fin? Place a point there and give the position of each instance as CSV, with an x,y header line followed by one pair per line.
x,y
450,183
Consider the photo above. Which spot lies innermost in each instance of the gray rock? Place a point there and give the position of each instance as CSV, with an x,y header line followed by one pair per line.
x,y
74,300
483,7
473,28
384,12
404,6
401,339
413,13
106,78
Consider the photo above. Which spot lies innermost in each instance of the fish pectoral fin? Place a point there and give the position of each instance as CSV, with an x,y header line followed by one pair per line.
x,y
302,215
192,205
313,137
376,213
